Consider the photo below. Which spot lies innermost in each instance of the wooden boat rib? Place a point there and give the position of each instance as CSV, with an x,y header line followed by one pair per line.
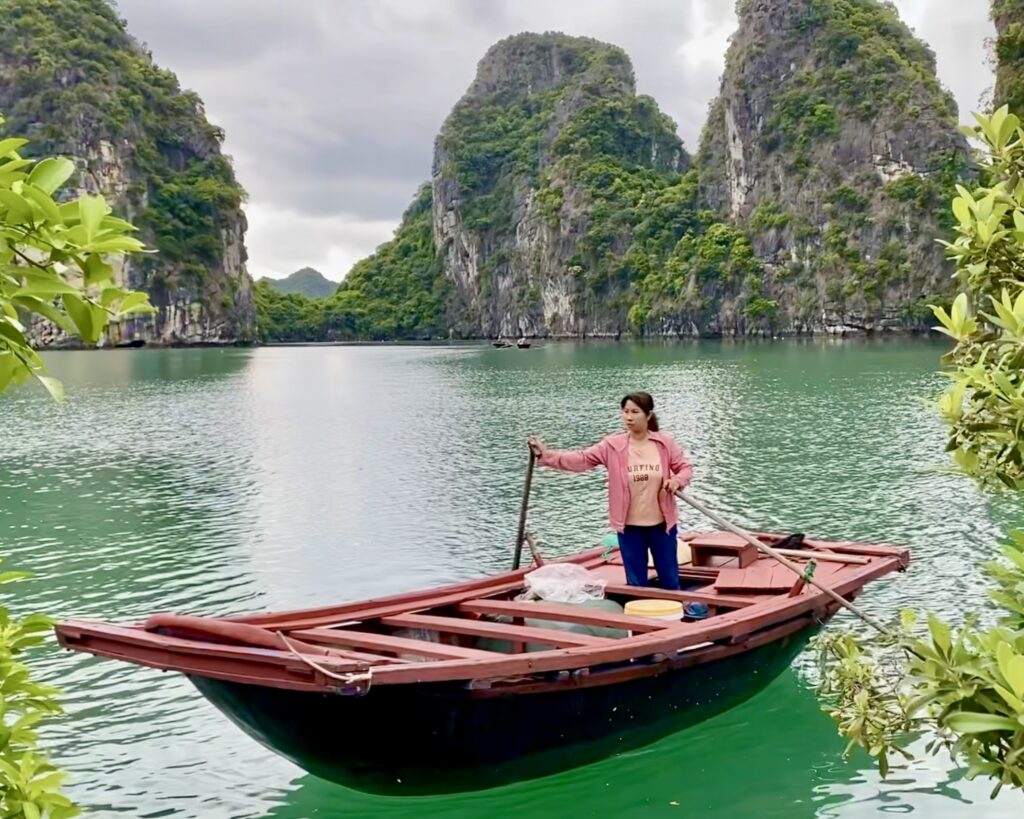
x,y
270,672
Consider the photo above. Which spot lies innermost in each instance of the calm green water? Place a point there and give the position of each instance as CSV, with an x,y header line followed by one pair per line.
x,y
223,481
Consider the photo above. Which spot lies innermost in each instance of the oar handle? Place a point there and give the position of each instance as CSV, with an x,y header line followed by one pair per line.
x,y
521,536
768,550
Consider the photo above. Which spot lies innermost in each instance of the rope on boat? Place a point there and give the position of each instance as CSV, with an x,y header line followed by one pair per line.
x,y
348,679
768,550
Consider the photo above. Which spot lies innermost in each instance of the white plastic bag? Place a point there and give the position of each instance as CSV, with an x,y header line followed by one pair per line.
x,y
564,583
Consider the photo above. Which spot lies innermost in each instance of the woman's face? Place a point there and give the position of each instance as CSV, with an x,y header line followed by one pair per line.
x,y
634,418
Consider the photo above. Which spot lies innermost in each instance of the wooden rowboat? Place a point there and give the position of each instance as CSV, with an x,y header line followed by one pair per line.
x,y
449,689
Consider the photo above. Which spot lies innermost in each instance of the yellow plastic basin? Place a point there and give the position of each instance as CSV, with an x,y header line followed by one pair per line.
x,y
655,609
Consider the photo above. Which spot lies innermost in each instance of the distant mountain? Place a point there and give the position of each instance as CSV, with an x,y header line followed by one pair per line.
x,y
306,282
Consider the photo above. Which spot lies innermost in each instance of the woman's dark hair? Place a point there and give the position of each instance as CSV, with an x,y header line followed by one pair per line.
x,y
646,403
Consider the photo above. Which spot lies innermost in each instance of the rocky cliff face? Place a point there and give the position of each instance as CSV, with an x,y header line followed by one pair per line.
x,y
1008,15
75,83
834,146
563,204
537,172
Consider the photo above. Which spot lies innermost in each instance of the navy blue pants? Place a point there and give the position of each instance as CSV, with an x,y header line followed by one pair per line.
x,y
634,544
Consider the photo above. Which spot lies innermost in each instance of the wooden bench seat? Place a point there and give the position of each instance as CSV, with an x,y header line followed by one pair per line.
x,y
391,645
502,631
564,614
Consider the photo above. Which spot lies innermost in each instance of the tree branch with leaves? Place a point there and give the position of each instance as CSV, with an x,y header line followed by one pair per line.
x,y
962,685
57,262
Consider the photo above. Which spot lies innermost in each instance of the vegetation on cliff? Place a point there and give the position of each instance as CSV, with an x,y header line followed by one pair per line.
x,y
306,282
399,292
835,145
77,84
576,159
1008,16
287,317
563,202
541,173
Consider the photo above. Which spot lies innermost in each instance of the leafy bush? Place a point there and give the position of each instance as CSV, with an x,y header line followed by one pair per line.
x,y
53,262
56,263
963,685
29,784
984,407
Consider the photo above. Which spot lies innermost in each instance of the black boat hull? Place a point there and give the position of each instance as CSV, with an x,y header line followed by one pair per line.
x,y
443,738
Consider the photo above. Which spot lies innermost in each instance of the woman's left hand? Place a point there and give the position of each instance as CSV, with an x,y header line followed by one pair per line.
x,y
671,485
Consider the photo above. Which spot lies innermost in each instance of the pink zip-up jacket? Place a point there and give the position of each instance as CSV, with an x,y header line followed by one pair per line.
x,y
612,453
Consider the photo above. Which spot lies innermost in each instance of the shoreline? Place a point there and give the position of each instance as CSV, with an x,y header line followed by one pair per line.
x,y
486,343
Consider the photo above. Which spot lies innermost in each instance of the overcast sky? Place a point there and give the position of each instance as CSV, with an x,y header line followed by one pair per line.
x,y
331,106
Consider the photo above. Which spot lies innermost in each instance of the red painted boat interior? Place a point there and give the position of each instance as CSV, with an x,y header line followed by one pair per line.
x,y
476,632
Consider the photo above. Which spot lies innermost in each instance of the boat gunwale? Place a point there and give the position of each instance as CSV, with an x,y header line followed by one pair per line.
x,y
684,658
372,608
671,639
327,615
770,611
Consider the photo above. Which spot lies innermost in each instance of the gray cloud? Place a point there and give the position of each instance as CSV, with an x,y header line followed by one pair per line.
x,y
331,106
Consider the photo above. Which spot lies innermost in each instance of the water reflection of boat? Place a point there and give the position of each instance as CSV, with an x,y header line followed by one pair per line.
x,y
481,689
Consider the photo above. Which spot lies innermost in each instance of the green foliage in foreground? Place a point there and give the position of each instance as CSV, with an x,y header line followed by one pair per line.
x,y
963,686
984,407
29,784
57,262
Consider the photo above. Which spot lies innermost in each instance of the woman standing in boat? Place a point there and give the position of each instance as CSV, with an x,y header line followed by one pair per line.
x,y
645,470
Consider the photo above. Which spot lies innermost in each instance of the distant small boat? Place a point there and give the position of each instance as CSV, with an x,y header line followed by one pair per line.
x,y
466,686
523,344
135,342
502,343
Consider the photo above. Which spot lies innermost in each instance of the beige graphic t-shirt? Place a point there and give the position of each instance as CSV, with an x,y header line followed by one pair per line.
x,y
644,473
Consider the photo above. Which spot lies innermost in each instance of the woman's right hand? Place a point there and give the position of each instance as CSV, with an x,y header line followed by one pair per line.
x,y
536,446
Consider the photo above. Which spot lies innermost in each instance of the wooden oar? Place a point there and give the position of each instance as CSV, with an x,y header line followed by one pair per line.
x,y
521,536
824,557
768,550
